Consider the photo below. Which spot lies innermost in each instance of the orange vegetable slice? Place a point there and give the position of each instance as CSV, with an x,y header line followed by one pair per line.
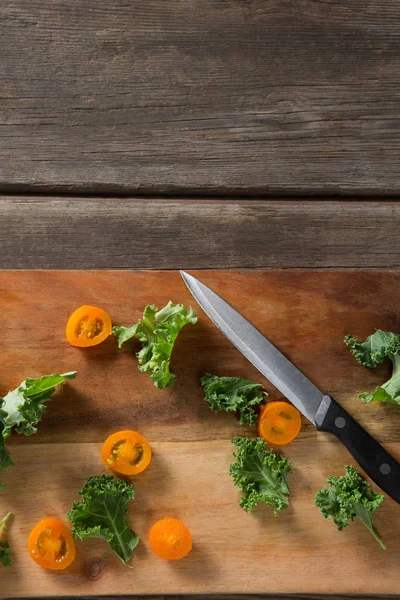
x,y
170,539
88,326
126,452
279,423
51,545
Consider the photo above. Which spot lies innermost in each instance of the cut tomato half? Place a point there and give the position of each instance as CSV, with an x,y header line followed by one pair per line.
x,y
126,452
51,545
88,326
279,423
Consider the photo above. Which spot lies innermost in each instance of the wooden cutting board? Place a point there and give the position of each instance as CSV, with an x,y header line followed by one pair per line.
x,y
306,314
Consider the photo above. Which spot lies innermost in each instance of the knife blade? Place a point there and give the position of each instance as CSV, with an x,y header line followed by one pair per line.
x,y
319,408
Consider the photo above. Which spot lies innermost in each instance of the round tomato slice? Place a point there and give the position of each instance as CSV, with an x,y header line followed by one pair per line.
x,y
126,452
51,545
279,423
170,539
88,326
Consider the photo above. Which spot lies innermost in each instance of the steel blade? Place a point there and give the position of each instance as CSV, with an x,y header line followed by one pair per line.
x,y
257,349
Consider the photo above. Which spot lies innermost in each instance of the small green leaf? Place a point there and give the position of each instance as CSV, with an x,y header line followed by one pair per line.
x,y
157,331
102,513
5,554
375,349
347,497
23,408
260,474
5,550
372,352
233,394
5,458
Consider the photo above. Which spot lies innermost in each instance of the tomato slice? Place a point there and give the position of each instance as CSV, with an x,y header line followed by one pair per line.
x,y
88,326
279,423
170,539
51,545
126,452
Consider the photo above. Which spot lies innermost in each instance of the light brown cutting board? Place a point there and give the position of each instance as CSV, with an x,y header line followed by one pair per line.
x,y
306,314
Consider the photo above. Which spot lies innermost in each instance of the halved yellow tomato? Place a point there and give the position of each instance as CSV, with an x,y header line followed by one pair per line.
x,y
126,452
51,544
88,326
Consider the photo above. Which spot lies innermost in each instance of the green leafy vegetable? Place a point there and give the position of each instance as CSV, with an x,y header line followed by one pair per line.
x,y
5,458
261,474
5,550
347,497
233,394
102,513
23,408
157,330
373,352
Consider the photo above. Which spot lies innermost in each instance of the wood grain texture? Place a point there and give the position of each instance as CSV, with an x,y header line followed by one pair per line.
x,y
306,314
241,597
80,233
203,96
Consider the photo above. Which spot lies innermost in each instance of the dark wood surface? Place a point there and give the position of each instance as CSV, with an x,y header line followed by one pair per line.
x,y
211,97
65,233
306,314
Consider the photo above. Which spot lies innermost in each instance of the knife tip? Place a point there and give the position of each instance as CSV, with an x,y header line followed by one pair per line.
x,y
189,280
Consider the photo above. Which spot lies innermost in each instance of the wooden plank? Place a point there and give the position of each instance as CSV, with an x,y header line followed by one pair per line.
x,y
242,597
333,303
61,233
200,96
191,482
306,313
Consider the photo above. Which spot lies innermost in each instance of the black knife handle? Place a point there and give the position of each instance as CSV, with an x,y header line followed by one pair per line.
x,y
379,465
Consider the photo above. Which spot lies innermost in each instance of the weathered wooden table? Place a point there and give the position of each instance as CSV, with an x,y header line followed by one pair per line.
x,y
199,134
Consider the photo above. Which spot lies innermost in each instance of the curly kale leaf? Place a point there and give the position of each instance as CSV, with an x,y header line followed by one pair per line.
x,y
102,513
5,457
347,497
372,352
233,394
157,330
23,408
5,550
260,474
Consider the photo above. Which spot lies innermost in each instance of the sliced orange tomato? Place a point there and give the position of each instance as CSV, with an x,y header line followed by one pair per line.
x,y
170,539
126,452
279,423
88,326
51,545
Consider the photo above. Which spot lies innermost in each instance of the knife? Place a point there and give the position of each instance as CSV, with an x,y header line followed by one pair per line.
x,y
319,408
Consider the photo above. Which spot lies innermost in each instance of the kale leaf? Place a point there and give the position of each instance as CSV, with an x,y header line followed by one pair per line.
x,y
102,513
23,408
347,497
260,474
157,330
233,394
5,550
373,352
